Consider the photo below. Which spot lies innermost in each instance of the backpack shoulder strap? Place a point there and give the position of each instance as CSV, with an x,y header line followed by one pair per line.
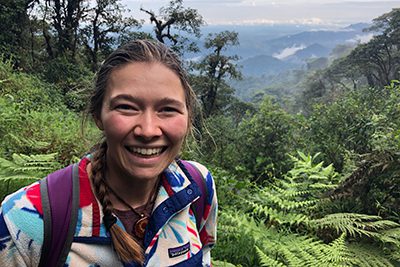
x,y
60,200
198,206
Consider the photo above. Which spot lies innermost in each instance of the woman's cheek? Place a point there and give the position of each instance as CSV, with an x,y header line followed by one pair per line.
x,y
178,128
116,125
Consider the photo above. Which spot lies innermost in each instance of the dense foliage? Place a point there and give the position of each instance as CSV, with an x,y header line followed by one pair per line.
x,y
320,188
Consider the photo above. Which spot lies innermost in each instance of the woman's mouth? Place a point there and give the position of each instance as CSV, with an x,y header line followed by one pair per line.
x,y
145,152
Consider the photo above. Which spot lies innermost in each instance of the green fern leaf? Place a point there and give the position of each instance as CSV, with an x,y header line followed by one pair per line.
x,y
268,261
368,255
353,224
337,253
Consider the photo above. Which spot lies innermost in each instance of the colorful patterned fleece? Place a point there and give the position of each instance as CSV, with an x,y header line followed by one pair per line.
x,y
171,237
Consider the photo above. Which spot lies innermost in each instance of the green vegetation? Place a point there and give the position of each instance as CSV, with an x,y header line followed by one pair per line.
x,y
317,188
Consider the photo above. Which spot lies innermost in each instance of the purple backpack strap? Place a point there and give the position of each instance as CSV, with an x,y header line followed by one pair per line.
x,y
199,205
60,200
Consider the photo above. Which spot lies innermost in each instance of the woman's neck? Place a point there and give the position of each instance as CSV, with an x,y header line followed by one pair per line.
x,y
135,192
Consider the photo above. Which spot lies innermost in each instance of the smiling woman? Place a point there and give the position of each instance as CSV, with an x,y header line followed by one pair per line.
x,y
138,202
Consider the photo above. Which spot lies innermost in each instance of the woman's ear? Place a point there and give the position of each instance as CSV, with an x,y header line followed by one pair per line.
x,y
99,123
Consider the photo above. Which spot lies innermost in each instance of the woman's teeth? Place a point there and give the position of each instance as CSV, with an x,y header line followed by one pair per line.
x,y
145,151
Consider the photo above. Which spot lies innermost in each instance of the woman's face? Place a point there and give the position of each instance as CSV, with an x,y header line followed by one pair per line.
x,y
144,118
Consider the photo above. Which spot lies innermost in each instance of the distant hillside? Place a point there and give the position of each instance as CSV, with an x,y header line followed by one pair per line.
x,y
357,26
279,85
264,65
253,38
268,40
274,57
326,38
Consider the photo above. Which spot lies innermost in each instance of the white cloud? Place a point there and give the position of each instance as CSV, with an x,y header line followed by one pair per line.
x,y
288,51
365,38
307,21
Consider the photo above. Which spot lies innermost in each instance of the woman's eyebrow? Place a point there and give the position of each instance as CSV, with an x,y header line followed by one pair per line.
x,y
124,97
171,101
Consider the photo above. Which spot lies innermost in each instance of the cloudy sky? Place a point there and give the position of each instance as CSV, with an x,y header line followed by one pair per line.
x,y
324,12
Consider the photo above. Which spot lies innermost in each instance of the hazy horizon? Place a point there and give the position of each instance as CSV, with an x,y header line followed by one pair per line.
x,y
243,12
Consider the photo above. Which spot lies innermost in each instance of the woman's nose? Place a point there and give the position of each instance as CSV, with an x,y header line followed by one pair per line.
x,y
147,126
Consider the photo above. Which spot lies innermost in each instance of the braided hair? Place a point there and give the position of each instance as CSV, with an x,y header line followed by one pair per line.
x,y
126,247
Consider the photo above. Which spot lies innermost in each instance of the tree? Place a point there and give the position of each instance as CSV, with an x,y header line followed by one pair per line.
x,y
327,85
215,94
63,40
102,20
375,59
15,29
389,25
65,18
379,58
176,17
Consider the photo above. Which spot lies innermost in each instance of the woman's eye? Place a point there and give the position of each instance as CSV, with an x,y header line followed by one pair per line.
x,y
124,107
169,109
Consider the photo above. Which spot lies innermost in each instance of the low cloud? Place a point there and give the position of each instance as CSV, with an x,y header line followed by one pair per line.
x,y
288,51
365,38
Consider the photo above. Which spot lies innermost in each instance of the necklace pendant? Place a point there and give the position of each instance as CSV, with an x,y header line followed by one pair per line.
x,y
140,226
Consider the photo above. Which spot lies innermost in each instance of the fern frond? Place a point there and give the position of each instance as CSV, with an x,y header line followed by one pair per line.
x,y
381,224
294,250
337,253
26,142
390,236
291,256
276,215
395,255
291,189
232,221
353,224
24,166
238,235
286,200
19,177
267,260
324,187
368,255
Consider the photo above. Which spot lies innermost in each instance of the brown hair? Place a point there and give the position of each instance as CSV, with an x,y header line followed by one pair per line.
x,y
126,247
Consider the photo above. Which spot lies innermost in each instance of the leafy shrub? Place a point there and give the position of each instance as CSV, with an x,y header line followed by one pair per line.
x,y
28,92
357,123
373,188
218,144
265,140
65,71
42,132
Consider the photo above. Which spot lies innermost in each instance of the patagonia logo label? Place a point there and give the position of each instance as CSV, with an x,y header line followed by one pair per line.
x,y
175,252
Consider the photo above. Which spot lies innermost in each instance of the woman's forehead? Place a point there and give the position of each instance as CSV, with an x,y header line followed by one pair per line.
x,y
143,80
